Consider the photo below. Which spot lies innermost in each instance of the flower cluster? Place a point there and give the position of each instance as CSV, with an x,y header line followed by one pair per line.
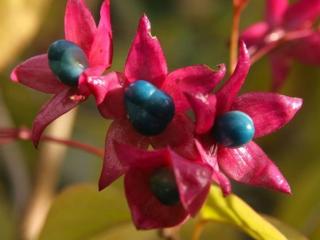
x,y
63,71
288,29
150,108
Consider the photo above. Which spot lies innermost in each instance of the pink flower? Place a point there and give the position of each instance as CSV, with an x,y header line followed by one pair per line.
x,y
147,103
162,188
227,123
290,26
87,49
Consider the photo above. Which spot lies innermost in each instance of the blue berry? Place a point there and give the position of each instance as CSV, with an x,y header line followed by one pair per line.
x,y
149,109
233,129
164,187
67,61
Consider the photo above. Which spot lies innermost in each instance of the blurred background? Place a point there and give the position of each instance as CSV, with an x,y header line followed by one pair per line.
x,y
191,32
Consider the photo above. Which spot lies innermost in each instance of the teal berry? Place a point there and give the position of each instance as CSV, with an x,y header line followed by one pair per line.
x,y
163,186
233,129
149,109
67,61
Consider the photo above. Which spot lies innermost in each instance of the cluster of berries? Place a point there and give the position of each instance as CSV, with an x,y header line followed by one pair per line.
x,y
168,158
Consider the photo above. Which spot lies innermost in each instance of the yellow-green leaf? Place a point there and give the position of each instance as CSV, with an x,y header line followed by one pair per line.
x,y
286,230
81,212
233,210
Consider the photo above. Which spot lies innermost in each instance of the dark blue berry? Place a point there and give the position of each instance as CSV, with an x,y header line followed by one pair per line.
x,y
233,129
163,186
67,61
149,109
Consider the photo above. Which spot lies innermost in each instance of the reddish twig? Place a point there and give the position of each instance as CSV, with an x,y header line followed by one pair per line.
x,y
8,135
198,229
238,7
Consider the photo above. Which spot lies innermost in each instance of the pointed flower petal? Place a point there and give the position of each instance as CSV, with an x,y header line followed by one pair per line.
x,y
101,49
307,50
146,60
209,157
178,135
83,84
204,108
147,212
193,181
230,89
79,25
269,111
109,94
250,165
134,157
57,106
254,35
35,73
120,131
192,79
275,10
302,12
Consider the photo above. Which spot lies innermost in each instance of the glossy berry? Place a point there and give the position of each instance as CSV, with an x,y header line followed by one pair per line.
x,y
149,109
233,129
67,61
164,187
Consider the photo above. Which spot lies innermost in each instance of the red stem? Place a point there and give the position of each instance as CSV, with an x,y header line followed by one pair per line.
x,y
238,7
10,134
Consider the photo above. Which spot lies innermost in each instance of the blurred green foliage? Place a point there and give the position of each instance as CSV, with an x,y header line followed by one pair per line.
x,y
191,31
82,212
232,210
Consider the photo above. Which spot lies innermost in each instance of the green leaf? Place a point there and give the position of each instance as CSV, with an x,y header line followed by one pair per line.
x,y
81,212
208,231
288,231
233,210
